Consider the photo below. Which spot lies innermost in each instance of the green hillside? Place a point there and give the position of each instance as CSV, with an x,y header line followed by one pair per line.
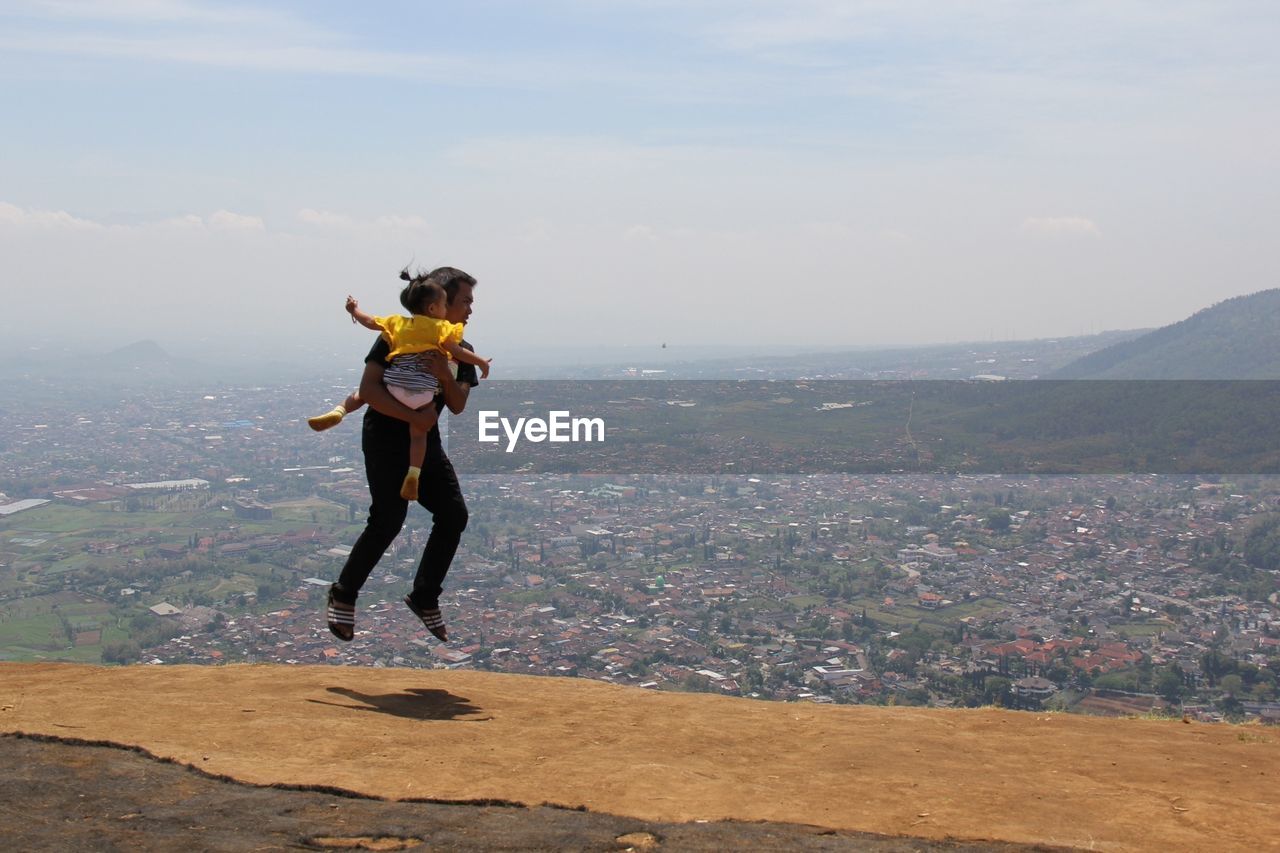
x,y
1235,339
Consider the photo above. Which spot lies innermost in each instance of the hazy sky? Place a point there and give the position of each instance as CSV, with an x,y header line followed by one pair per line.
x,y
635,172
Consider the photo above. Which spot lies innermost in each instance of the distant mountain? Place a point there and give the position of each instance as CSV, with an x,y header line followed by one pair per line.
x,y
1235,339
139,364
138,353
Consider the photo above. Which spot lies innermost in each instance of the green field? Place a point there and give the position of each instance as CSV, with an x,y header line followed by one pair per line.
x,y
904,615
1140,629
36,627
30,634
86,519
104,520
311,510
72,563
44,550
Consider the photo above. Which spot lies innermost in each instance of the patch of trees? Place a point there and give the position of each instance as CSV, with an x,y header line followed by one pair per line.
x,y
146,629
1262,542
1238,678
121,651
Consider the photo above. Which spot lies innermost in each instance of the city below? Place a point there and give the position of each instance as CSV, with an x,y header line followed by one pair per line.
x,y
205,527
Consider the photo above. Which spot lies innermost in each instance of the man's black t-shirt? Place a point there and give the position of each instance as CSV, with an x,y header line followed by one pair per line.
x,y
386,428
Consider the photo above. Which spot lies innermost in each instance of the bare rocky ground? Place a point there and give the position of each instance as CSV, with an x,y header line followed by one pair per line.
x,y
68,796
636,760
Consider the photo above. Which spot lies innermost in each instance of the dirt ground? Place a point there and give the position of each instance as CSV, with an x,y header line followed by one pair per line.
x,y
1052,779
66,796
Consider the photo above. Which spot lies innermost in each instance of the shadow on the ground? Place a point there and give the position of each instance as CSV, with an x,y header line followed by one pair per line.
x,y
418,703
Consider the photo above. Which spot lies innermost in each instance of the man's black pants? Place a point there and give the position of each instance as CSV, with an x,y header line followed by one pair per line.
x,y
385,463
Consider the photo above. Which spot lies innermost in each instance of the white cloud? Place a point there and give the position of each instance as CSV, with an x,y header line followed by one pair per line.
x,y
189,220
247,52
1061,226
890,158
157,12
15,216
221,35
221,220
226,220
1027,29
324,218
968,54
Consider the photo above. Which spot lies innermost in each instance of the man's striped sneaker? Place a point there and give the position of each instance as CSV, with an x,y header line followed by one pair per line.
x,y
342,618
431,619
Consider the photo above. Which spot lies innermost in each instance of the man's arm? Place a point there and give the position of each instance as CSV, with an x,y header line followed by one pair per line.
x,y
454,392
373,392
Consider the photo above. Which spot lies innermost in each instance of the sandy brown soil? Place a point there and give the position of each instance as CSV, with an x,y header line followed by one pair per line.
x,y
984,774
65,796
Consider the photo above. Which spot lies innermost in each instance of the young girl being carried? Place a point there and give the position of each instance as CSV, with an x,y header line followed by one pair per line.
x,y
408,337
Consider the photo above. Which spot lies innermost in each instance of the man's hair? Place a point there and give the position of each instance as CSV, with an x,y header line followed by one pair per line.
x,y
450,278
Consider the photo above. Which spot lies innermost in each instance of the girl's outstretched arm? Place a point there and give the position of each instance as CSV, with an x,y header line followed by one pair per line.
x,y
358,316
466,356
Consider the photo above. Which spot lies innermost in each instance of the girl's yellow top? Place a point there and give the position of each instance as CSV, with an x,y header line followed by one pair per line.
x,y
419,333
